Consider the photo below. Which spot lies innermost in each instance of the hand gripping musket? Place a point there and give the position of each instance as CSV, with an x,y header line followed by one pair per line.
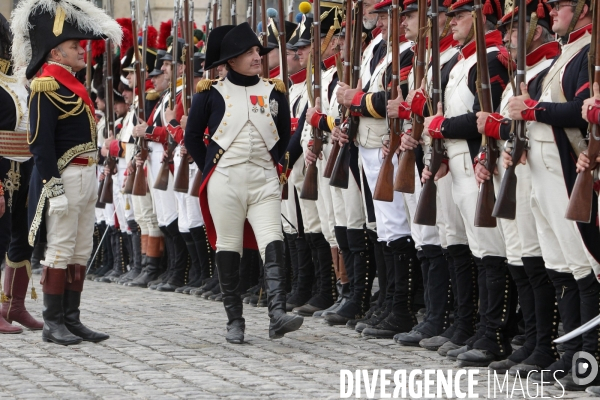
x,y
341,170
335,150
489,150
140,184
384,188
310,186
182,178
506,203
107,188
426,212
405,177
580,202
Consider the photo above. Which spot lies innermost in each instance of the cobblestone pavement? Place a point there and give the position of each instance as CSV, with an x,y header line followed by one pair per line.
x,y
166,345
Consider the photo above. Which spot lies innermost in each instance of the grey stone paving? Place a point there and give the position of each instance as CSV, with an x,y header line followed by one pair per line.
x,y
166,345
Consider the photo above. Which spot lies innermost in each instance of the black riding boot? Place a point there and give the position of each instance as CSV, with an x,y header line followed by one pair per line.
x,y
136,254
228,266
119,262
53,284
180,265
204,250
274,272
195,272
306,276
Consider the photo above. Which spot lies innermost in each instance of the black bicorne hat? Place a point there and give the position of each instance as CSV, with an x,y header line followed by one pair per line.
x,y
304,33
213,45
235,43
151,55
273,29
169,54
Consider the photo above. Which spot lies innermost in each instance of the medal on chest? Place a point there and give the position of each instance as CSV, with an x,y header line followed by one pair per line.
x,y
258,102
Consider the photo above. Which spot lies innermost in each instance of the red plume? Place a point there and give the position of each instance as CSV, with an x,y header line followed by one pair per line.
x,y
127,41
165,32
447,3
152,36
98,48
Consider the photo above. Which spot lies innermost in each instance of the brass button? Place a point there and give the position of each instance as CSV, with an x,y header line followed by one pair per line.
x,y
220,151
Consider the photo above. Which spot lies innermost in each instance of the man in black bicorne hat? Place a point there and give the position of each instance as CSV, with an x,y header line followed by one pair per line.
x,y
249,127
62,140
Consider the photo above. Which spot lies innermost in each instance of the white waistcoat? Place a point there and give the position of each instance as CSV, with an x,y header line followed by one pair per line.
x,y
239,110
367,56
19,94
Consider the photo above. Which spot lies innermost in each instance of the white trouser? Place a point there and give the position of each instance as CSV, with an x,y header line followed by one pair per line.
x,y
109,213
325,202
144,214
246,192
310,215
562,246
392,222
520,235
348,205
121,200
422,234
188,206
449,222
99,211
165,203
194,213
70,236
482,241
371,225
289,217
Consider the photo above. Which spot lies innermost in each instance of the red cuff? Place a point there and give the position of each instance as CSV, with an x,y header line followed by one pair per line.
x,y
404,110
593,113
529,113
293,124
357,99
314,121
114,148
418,104
435,127
492,125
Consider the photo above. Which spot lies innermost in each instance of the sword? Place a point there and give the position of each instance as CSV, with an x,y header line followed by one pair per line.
x,y
591,324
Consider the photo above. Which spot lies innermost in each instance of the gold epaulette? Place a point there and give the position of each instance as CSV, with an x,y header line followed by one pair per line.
x,y
152,95
44,84
205,84
279,85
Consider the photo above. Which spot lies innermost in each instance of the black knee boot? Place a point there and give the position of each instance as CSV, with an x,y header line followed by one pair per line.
x,y
204,250
306,275
105,254
228,267
195,273
53,285
290,240
136,254
180,264
119,266
466,283
274,274
407,278
568,298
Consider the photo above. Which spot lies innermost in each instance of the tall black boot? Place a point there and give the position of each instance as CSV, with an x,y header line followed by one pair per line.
x,y
107,258
290,240
527,305
72,298
568,297
466,283
204,250
95,255
119,266
407,277
274,272
438,295
546,318
363,270
53,284
228,266
180,265
136,254
195,274
306,275
326,293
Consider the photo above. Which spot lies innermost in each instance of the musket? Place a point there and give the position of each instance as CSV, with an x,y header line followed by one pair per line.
x,y
162,181
220,2
182,178
233,12
88,68
130,177
207,21
506,202
341,170
310,186
106,196
384,188
426,212
290,10
265,35
140,184
489,149
173,81
254,15
284,74
405,177
335,149
580,202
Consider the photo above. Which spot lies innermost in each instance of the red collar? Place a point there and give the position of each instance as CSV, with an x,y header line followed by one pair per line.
x,y
298,77
274,73
330,61
447,42
579,33
492,38
375,32
402,39
544,52
70,82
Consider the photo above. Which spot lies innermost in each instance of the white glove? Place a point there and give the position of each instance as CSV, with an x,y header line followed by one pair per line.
x,y
59,205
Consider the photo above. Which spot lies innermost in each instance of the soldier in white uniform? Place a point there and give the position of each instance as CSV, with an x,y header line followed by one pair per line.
x,y
240,175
